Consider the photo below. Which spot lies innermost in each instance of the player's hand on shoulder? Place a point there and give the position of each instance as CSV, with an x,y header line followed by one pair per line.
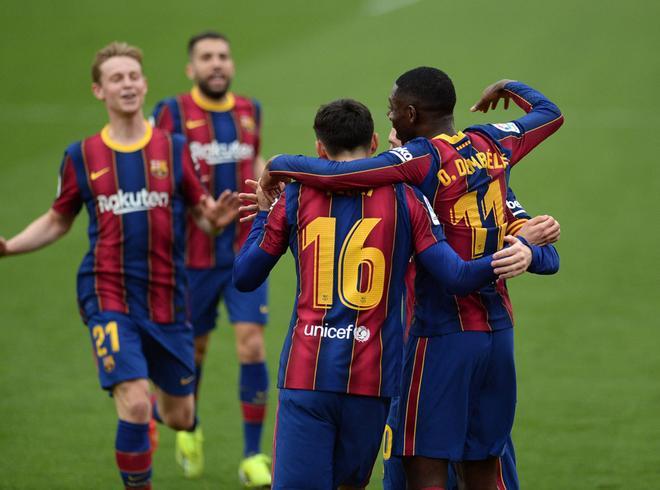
x,y
490,97
541,230
3,246
512,260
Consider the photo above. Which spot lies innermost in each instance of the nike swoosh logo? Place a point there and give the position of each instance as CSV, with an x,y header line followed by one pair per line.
x,y
99,173
187,381
195,123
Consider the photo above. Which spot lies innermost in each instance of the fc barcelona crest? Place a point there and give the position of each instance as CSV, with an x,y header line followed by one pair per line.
x,y
159,168
109,364
248,124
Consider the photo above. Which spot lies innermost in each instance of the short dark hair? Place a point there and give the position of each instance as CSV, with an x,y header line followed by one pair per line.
x,y
343,125
430,88
205,35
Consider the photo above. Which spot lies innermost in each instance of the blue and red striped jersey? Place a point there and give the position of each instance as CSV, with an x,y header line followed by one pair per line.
x,y
136,197
224,141
465,177
351,252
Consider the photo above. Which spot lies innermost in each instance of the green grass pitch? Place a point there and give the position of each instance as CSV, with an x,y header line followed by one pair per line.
x,y
587,339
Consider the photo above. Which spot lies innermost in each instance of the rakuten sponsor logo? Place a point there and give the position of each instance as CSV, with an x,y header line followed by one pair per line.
x,y
360,333
215,153
130,202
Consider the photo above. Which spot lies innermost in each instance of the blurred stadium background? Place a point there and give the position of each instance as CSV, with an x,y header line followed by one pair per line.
x,y
587,339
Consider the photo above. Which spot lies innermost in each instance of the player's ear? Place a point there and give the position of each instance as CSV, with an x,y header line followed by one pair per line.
x,y
189,71
97,90
374,144
320,150
411,110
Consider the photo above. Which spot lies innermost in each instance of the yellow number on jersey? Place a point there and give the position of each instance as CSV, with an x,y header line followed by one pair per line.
x,y
354,256
321,234
99,333
467,208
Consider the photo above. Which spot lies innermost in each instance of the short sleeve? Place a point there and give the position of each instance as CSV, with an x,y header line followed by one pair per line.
x,y
68,199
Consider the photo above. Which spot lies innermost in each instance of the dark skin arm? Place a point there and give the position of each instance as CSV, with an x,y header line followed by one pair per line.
x,y
491,96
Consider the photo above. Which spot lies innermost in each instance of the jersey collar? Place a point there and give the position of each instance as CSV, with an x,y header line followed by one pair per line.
x,y
450,139
116,146
210,105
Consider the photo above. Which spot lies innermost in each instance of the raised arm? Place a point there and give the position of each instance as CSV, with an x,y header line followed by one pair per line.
x,y
521,135
408,164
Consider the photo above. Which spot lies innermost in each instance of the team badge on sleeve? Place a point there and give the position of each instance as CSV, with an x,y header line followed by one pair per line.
x,y
159,168
507,127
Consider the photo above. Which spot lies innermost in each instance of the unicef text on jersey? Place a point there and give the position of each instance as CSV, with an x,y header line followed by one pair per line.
x,y
360,333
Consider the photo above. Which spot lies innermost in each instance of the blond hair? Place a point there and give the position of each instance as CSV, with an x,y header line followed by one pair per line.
x,y
113,49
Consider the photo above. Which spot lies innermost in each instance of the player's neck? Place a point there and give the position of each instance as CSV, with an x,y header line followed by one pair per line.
x,y
222,103
127,129
347,156
439,125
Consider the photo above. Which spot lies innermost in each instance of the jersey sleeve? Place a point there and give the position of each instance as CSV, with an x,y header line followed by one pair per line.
x,y
545,259
275,237
425,226
163,118
515,213
407,164
193,190
522,135
68,199
266,242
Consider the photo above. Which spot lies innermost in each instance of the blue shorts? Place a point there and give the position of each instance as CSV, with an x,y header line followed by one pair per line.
x,y
459,396
208,286
394,476
127,348
324,439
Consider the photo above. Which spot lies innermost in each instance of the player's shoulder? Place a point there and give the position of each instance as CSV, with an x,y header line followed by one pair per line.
x,y
411,150
160,135
409,193
496,131
88,143
170,102
160,138
244,102
74,147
